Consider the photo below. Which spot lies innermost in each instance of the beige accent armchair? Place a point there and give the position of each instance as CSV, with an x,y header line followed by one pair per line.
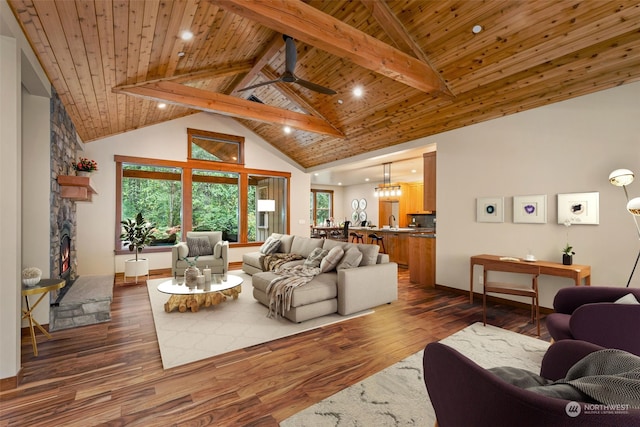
x,y
218,262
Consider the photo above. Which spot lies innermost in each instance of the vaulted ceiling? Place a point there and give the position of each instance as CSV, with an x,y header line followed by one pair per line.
x,y
422,68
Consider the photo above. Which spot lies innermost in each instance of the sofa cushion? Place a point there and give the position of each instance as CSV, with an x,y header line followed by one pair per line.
x,y
332,259
315,257
369,253
285,242
351,259
305,245
199,246
321,288
270,246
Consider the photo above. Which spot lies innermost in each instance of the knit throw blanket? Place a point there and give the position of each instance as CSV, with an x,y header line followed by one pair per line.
x,y
280,290
608,376
273,261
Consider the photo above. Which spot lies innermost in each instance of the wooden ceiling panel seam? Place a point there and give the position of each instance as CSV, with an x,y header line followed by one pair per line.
x,y
571,41
89,27
180,45
150,17
70,56
160,33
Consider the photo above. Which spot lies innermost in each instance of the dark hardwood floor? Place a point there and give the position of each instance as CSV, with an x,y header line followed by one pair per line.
x,y
111,374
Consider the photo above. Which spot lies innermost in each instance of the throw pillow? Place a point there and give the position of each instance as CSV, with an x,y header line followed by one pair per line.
x,y
627,299
332,259
270,246
351,259
315,257
199,246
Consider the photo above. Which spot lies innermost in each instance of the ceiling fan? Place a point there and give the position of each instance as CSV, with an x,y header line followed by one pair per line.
x,y
289,76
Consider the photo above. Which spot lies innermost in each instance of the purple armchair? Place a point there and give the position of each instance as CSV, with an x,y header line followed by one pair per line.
x,y
465,394
590,314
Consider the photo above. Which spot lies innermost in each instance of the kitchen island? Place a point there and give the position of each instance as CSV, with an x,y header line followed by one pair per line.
x,y
396,240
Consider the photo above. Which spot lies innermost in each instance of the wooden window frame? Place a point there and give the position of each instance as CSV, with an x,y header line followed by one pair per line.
x,y
315,202
187,200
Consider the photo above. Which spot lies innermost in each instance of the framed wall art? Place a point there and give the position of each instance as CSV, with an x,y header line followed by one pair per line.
x,y
579,208
490,209
530,209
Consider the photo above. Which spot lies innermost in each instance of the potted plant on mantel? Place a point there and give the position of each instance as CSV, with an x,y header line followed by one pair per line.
x,y
136,234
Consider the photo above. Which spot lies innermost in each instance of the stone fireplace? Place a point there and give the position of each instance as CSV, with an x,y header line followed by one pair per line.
x,y
84,300
64,151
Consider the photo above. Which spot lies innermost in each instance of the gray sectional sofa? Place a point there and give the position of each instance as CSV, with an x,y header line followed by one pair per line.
x,y
343,290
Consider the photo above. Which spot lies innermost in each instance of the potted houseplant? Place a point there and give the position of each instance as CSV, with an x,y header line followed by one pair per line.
x,y
567,255
84,166
136,234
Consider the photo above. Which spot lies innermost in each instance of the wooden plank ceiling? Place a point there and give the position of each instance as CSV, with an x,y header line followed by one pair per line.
x,y
422,69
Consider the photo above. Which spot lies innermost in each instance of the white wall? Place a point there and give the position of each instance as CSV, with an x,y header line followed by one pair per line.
x,y
96,220
567,147
18,66
36,192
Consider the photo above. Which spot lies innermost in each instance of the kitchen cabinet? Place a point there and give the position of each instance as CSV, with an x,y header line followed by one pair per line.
x,y
415,198
422,259
397,245
429,181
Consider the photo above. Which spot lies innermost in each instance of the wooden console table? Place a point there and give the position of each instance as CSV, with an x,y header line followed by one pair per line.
x,y
575,271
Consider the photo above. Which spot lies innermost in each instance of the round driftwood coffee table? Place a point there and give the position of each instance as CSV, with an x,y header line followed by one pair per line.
x,y
208,294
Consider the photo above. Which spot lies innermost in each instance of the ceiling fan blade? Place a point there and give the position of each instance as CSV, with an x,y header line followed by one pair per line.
x,y
290,54
259,84
315,87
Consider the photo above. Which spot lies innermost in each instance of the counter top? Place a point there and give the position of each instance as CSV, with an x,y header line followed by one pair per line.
x,y
395,230
423,235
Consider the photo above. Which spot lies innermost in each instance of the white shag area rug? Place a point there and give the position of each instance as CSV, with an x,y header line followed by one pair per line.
x,y
397,396
232,325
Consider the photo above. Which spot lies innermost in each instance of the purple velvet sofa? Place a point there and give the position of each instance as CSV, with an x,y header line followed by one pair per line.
x,y
589,313
465,394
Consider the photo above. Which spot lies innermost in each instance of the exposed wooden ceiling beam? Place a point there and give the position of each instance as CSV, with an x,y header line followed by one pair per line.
x,y
227,105
219,71
398,33
304,22
285,89
272,48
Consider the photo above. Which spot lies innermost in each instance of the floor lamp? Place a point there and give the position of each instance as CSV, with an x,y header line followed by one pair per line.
x,y
622,178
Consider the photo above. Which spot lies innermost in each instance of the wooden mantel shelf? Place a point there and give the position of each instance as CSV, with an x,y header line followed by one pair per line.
x,y
78,188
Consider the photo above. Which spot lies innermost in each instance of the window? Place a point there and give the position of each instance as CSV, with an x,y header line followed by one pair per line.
x,y
321,206
198,195
156,192
215,147
216,202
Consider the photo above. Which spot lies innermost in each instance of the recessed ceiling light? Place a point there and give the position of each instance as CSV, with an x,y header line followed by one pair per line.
x,y
340,101
476,29
186,35
286,130
180,54
413,171
339,183
357,91
366,180
162,105
316,174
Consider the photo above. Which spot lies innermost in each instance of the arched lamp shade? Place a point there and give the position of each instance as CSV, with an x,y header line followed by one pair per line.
x,y
634,206
621,177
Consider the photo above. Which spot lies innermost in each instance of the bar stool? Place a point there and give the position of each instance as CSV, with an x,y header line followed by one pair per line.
x,y
377,240
359,238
